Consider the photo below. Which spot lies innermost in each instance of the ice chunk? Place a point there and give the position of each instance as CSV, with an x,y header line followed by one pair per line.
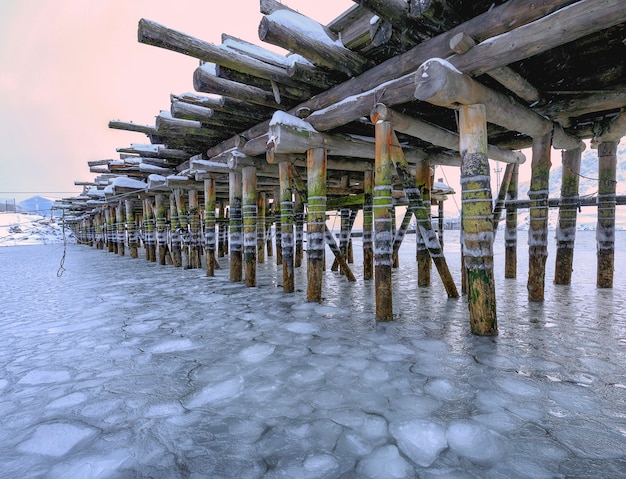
x,y
518,387
475,442
91,467
421,440
44,376
320,465
256,353
301,327
384,463
68,401
591,441
56,439
164,410
216,393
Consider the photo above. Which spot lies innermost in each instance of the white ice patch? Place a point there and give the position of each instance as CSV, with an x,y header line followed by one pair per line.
x,y
384,463
164,410
475,442
216,393
173,346
420,440
256,353
69,400
44,376
301,327
517,387
55,439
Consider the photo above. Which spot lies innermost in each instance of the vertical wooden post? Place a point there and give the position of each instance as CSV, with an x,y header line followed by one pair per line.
x,y
161,232
176,239
477,219
368,245
605,231
268,228
566,228
131,228
221,231
383,227
148,219
109,228
184,226
121,233
316,185
299,219
98,231
249,224
422,182
440,221
510,233
260,227
344,236
195,247
209,225
538,231
286,221
278,230
235,225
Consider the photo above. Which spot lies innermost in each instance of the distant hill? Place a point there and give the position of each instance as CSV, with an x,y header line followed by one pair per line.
x,y
38,205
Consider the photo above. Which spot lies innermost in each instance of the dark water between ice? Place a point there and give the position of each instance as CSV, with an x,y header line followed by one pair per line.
x,y
121,368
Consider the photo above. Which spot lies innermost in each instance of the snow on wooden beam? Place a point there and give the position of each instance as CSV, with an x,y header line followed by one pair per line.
x,y
302,35
440,136
130,126
166,123
613,132
440,83
232,106
152,33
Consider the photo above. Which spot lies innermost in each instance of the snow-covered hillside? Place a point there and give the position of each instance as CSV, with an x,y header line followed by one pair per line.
x,y
27,229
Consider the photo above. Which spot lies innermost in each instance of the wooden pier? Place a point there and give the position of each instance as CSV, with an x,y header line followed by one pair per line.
x,y
353,120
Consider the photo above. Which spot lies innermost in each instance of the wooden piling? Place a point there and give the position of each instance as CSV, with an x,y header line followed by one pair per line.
x,y
286,221
175,236
131,228
566,228
477,220
510,232
299,219
249,224
161,231
221,249
383,227
316,222
108,215
422,182
278,230
183,221
195,245
260,227
368,249
148,219
235,225
121,231
268,228
538,231
605,230
209,226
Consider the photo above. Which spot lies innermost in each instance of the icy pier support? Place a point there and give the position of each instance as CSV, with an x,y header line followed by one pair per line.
x,y
175,233
566,228
109,229
149,227
131,228
605,231
278,228
209,226
538,231
235,226
510,231
121,233
477,220
422,256
316,184
299,219
222,235
161,226
286,225
183,227
249,224
261,203
195,246
368,250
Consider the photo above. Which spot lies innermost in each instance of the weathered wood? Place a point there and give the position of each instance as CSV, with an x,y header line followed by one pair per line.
x,y
120,215
383,227
538,231
161,231
299,219
300,34
440,136
510,232
235,226
165,123
130,126
261,203
207,82
208,116
249,224
222,232
422,215
149,226
566,228
477,220
278,230
422,183
227,105
286,225
562,109
195,246
513,81
152,33
316,198
175,233
439,83
605,230
368,204
504,188
131,228
209,226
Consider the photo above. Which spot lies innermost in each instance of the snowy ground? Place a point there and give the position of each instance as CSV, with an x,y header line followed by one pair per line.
x,y
121,368
29,229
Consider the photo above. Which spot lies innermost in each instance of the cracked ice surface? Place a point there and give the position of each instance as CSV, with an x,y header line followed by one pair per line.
x,y
123,368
